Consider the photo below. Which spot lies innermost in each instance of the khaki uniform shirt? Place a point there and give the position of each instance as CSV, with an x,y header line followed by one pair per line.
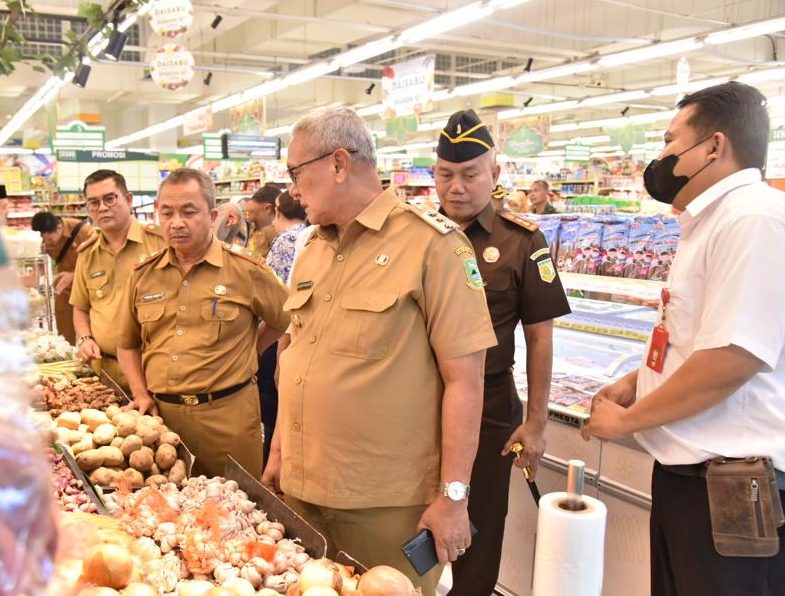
x,y
360,394
198,331
260,242
68,262
101,275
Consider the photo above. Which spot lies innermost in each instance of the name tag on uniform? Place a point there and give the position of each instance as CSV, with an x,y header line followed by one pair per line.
x,y
304,285
152,297
95,274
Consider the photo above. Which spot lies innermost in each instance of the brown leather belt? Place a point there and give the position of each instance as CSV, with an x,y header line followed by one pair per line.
x,y
200,398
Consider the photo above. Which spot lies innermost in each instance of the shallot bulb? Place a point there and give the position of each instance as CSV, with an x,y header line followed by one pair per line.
x,y
225,571
249,573
239,587
320,573
385,581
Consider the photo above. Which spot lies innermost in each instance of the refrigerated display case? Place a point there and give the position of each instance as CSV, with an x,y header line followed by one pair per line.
x,y
598,343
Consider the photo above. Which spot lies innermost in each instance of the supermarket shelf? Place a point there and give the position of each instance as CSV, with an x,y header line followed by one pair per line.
x,y
65,204
20,214
21,193
230,180
643,289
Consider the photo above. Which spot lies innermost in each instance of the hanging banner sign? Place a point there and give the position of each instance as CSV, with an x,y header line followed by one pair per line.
x,y
524,137
172,67
627,136
78,135
171,18
407,88
198,120
11,178
578,153
248,119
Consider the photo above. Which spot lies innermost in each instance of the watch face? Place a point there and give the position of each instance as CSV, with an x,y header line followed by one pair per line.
x,y
456,491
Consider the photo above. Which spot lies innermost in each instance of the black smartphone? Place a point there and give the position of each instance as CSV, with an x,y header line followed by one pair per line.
x,y
420,550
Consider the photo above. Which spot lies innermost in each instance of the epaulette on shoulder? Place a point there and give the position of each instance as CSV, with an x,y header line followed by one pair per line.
x,y
149,259
88,242
433,218
526,224
152,229
239,253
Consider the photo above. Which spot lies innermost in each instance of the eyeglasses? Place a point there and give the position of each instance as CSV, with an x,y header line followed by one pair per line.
x,y
95,204
293,174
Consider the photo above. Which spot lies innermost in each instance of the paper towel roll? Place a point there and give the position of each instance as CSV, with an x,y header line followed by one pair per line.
x,y
569,557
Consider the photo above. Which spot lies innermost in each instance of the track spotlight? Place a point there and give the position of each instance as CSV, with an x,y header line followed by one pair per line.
x,y
625,110
208,79
115,46
527,102
370,88
81,75
528,66
216,21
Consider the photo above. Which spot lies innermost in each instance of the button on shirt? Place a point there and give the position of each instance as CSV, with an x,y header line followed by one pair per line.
x,y
199,334
360,392
101,275
727,287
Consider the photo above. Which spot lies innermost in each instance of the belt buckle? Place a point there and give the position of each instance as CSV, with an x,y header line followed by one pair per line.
x,y
189,400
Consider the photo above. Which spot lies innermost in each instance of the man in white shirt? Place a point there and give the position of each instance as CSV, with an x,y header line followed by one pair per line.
x,y
720,390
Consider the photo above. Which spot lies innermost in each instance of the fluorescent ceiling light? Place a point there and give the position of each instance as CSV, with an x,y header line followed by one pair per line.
x,y
555,153
442,95
366,51
746,31
147,132
689,87
623,97
651,52
762,76
308,73
446,22
558,143
45,93
488,86
565,70
556,106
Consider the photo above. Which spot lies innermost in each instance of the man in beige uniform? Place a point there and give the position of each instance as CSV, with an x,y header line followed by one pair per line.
x,y
62,236
260,212
381,387
187,330
104,265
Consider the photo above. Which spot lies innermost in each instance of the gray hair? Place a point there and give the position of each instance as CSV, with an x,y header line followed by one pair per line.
x,y
236,234
185,175
338,128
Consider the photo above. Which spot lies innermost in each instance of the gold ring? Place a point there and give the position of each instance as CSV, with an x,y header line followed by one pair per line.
x,y
461,551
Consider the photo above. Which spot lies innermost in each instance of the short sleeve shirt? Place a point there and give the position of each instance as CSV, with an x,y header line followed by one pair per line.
x,y
101,275
68,261
197,332
281,255
521,281
360,393
727,287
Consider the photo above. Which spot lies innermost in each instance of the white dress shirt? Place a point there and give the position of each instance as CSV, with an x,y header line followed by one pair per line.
x,y
727,287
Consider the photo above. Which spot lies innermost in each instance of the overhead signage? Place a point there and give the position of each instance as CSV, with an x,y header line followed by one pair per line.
x,y
524,137
198,120
579,153
238,146
11,178
211,143
78,135
172,66
171,18
139,168
407,87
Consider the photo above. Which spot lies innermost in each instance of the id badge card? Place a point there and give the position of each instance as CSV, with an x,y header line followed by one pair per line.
x,y
655,359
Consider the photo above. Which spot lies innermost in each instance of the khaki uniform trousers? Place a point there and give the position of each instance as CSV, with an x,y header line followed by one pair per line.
x,y
231,425
372,536
111,367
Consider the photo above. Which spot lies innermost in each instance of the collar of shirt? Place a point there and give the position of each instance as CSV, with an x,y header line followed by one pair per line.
x,y
134,235
372,217
720,189
214,255
484,218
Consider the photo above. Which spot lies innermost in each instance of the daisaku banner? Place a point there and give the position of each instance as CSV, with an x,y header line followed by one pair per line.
x,y
407,88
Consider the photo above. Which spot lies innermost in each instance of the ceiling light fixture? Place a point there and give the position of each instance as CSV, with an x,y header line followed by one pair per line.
x,y
625,110
216,21
528,67
116,43
528,102
81,75
746,31
370,88
656,50
208,79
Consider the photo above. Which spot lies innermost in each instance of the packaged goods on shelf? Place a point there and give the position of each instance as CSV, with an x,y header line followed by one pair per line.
x,y
45,346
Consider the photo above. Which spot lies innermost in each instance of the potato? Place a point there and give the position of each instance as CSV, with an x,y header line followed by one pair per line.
x,y
89,460
151,420
169,437
126,424
112,456
84,429
177,473
84,444
141,459
155,480
68,436
116,442
165,456
135,413
102,476
130,444
104,434
94,418
113,411
131,476
70,420
149,433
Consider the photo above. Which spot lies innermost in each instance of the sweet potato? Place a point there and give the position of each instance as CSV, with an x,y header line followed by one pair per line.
x,y
94,418
70,420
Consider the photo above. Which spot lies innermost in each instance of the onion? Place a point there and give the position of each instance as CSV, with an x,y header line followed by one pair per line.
x,y
139,589
108,565
384,581
194,587
320,573
220,591
349,586
98,592
239,587
320,591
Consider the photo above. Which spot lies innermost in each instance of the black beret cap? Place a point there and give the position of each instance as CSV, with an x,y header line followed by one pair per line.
x,y
464,138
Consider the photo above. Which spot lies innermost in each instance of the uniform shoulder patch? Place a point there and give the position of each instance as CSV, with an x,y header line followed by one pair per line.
x,y
91,240
228,248
149,259
152,229
526,224
433,218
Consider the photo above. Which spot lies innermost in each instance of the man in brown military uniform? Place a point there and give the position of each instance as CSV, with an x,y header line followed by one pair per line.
x,y
104,265
522,285
188,328
380,395
62,236
260,211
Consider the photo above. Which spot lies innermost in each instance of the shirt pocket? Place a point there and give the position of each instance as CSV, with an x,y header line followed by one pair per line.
x,y
218,320
499,288
97,287
294,305
367,327
149,316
